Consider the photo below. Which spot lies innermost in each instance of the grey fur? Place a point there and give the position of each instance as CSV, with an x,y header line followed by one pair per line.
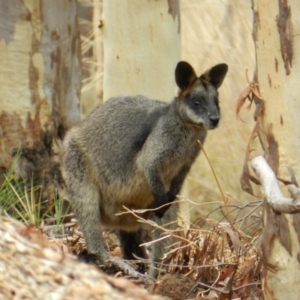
x,y
136,152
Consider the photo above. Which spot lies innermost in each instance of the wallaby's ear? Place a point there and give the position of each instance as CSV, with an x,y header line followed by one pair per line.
x,y
184,75
216,75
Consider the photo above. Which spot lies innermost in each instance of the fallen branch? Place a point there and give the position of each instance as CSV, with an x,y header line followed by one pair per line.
x,y
272,191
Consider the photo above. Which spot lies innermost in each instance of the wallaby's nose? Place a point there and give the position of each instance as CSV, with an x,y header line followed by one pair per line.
x,y
214,120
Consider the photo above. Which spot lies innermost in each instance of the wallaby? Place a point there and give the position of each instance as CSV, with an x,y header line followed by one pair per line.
x,y
136,152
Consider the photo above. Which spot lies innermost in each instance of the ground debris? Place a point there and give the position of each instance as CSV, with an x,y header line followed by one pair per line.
x,y
220,263
29,270
210,260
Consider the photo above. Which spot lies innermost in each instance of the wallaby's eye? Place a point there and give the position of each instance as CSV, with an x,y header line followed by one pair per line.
x,y
196,103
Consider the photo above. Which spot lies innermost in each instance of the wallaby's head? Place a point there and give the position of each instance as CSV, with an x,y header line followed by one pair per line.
x,y
198,102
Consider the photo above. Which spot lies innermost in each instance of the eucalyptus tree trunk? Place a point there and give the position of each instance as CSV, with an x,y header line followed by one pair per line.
x,y
40,75
277,41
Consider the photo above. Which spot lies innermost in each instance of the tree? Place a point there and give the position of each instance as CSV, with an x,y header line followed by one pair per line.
x,y
276,30
40,74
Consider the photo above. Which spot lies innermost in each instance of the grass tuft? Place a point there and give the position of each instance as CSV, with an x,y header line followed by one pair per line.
x,y
26,203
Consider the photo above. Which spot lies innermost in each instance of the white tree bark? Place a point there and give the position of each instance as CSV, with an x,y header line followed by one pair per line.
x,y
98,48
40,75
141,47
276,30
277,40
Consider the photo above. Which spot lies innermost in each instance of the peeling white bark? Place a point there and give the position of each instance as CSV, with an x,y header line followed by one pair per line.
x,y
281,246
272,191
276,27
279,90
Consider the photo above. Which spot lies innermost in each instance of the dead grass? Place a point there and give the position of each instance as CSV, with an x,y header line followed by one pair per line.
x,y
220,261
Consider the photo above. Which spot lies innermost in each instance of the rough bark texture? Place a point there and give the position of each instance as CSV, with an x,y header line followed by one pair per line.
x,y
40,74
278,72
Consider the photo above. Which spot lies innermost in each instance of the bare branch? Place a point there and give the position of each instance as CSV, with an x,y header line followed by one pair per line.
x,y
271,189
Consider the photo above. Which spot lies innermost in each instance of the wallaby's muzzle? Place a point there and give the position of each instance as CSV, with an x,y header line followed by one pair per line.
x,y
214,121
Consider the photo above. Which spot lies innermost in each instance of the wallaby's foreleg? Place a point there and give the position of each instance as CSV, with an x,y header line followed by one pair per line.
x,y
177,183
169,222
174,190
157,187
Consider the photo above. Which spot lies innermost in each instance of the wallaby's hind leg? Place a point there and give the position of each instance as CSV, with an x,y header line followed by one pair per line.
x,y
89,219
85,200
130,246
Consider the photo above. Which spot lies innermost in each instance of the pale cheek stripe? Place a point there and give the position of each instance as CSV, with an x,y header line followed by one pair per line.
x,y
194,117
